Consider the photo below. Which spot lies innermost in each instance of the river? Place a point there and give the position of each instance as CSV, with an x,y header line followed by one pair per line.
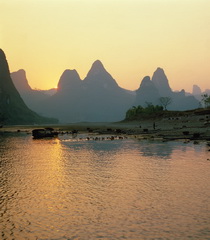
x,y
72,188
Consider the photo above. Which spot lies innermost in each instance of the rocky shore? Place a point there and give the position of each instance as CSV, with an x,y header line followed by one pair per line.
x,y
187,128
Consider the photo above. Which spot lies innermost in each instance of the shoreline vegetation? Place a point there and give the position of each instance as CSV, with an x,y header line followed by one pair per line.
x,y
186,126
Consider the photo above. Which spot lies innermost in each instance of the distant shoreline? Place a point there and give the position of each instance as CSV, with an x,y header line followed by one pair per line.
x,y
195,128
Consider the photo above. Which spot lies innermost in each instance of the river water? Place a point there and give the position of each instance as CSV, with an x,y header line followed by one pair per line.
x,y
71,188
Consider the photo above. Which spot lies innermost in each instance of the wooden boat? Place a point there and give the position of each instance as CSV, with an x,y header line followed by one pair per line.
x,y
44,133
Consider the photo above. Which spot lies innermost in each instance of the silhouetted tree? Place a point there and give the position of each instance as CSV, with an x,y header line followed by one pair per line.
x,y
205,100
165,101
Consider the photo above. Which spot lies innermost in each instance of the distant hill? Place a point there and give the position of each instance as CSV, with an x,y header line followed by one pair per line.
x,y
197,93
13,110
151,90
32,97
98,98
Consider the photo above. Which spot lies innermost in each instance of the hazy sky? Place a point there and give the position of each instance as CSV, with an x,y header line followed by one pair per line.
x,y
131,38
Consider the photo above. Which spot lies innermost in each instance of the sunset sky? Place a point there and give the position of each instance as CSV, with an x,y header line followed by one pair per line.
x,y
131,38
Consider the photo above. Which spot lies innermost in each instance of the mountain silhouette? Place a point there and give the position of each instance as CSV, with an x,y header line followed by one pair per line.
x,y
161,82
196,90
99,77
98,98
69,80
13,110
20,81
32,98
150,91
146,93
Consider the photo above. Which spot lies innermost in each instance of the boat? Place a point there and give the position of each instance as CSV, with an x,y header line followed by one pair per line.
x,y
44,133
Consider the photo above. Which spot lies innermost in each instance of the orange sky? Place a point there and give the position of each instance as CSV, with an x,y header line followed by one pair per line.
x,y
131,38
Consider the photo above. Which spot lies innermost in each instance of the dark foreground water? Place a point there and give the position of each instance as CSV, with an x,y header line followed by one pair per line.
x,y
122,189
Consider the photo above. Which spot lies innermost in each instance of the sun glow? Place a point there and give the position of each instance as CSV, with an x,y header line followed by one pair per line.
x,y
131,38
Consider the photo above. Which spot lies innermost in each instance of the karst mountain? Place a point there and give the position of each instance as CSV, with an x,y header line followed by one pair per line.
x,y
98,97
13,110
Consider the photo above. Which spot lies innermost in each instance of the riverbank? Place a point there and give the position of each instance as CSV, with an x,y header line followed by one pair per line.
x,y
173,128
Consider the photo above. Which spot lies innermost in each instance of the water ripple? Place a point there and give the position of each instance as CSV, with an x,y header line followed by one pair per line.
x,y
123,189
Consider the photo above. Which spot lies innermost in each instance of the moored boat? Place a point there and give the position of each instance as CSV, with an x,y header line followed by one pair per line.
x,y
44,133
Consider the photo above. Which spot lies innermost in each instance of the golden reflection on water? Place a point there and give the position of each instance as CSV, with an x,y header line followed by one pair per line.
x,y
76,189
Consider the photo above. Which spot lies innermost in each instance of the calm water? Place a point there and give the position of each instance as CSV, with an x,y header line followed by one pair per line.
x,y
123,189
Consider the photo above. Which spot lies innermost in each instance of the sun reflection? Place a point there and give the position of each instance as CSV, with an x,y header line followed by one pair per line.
x,y
48,178
55,188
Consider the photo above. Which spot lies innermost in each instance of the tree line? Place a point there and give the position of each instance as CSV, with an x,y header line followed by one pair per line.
x,y
156,110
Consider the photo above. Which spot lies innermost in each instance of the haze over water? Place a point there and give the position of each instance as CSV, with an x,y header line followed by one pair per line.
x,y
71,188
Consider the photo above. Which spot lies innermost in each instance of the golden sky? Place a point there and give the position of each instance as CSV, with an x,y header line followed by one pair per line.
x,y
131,38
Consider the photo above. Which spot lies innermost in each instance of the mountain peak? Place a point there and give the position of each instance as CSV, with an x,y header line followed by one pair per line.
x,y
68,80
97,67
20,81
98,63
72,75
196,90
2,54
159,69
161,82
4,70
146,83
12,107
99,76
146,80
20,72
147,92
